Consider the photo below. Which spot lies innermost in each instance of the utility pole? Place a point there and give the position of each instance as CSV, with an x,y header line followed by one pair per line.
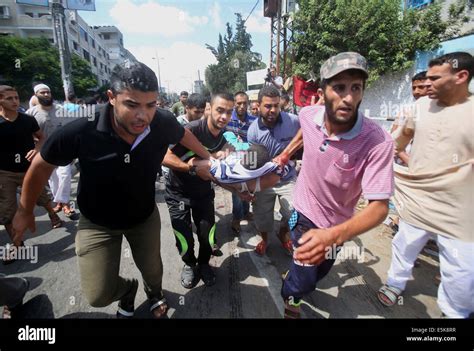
x,y
60,36
159,73
281,36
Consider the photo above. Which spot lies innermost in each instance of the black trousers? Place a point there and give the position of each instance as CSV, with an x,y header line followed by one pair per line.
x,y
201,210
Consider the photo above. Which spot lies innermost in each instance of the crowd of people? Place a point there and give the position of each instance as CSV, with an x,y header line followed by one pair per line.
x,y
250,149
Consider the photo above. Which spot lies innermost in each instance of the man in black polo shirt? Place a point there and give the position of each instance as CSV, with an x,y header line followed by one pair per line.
x,y
186,192
120,150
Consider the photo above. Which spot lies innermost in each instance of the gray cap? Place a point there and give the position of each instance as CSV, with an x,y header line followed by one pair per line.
x,y
343,62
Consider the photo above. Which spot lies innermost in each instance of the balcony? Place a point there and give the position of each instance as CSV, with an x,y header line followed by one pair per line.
x,y
27,22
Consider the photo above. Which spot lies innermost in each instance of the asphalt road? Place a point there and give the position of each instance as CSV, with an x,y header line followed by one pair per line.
x,y
248,286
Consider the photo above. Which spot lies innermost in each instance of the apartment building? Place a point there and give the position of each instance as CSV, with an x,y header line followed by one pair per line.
x,y
26,21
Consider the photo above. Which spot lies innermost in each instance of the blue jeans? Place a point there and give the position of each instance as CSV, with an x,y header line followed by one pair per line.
x,y
301,280
239,208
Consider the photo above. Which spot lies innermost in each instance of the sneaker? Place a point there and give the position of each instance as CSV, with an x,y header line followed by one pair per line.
x,y
207,274
126,305
189,276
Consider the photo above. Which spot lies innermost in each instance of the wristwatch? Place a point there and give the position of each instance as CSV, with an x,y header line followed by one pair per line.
x,y
192,171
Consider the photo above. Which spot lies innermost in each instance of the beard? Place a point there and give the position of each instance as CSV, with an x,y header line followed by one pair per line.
x,y
334,120
45,101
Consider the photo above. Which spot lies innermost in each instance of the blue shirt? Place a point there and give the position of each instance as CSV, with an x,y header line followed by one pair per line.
x,y
275,139
238,127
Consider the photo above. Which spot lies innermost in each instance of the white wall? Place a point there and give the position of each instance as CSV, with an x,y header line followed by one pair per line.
x,y
387,94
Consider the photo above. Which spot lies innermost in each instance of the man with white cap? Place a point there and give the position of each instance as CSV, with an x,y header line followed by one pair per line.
x,y
51,117
346,155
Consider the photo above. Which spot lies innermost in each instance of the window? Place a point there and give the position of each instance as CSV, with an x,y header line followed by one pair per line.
x,y
43,14
4,12
94,60
121,41
106,36
415,4
29,14
86,55
75,45
84,34
93,43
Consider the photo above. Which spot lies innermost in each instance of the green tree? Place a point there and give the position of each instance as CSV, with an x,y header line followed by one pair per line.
x,y
27,61
234,59
378,29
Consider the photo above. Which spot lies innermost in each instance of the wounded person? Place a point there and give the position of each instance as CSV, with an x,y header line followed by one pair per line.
x,y
249,171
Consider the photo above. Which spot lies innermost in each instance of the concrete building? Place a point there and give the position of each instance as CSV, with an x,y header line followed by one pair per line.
x,y
112,38
26,21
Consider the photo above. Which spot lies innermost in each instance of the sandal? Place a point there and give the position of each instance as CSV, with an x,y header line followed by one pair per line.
x,y
292,310
388,295
58,207
261,248
68,212
56,222
159,304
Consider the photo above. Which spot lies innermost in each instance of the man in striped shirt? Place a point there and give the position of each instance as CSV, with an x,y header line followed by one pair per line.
x,y
346,155
239,125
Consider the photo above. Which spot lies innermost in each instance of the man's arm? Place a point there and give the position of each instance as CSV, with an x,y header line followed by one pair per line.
x,y
291,149
174,162
278,82
40,139
315,242
33,184
189,141
403,134
404,157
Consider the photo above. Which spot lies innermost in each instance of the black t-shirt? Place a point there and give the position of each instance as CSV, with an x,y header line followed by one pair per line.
x,y
16,140
117,184
183,184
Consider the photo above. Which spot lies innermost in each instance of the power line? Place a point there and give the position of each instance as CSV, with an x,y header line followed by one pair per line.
x,y
252,11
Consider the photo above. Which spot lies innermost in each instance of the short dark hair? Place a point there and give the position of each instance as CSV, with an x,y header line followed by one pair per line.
x,y
71,96
4,89
225,96
241,93
268,91
184,93
285,97
419,76
133,76
259,153
352,73
458,61
196,100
